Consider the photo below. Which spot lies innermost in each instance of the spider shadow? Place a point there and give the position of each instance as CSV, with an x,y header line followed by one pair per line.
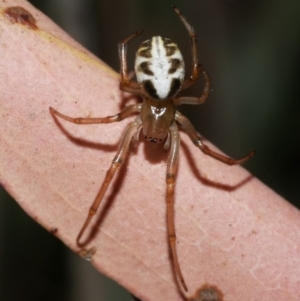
x,y
83,142
154,152
208,182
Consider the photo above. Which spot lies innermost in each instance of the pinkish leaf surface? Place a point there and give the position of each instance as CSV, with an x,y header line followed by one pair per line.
x,y
233,232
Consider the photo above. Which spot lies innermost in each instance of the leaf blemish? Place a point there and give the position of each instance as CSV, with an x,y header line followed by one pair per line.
x,y
207,292
87,254
53,231
18,14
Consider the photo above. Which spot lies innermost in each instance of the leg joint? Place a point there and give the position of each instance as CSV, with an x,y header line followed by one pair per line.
x,y
170,178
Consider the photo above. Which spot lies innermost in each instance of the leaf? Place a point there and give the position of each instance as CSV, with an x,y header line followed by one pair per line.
x,y
233,232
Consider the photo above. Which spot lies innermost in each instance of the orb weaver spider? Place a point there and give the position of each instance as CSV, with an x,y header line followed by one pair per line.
x,y
159,70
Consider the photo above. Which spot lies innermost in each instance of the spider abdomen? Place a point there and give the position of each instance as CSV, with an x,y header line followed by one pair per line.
x,y
159,68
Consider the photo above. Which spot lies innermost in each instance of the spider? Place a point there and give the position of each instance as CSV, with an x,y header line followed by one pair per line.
x,y
159,70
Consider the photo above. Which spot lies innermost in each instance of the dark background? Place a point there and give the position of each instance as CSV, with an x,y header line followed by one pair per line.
x,y
251,50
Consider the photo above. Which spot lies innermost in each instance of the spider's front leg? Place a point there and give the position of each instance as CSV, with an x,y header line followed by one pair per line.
x,y
170,179
196,100
194,136
195,60
126,83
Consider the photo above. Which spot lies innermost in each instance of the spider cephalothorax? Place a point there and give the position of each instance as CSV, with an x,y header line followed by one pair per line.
x,y
159,69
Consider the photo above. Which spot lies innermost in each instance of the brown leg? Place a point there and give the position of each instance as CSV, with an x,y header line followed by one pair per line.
x,y
116,163
118,117
195,71
170,179
194,136
197,100
126,84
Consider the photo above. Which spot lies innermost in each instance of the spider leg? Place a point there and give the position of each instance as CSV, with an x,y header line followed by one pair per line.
x,y
195,70
116,163
197,100
195,137
109,119
126,83
170,180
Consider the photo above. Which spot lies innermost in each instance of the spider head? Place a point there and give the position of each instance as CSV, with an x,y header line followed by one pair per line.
x,y
159,68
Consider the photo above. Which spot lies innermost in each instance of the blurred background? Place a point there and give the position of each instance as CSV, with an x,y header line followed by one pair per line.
x,y
251,50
